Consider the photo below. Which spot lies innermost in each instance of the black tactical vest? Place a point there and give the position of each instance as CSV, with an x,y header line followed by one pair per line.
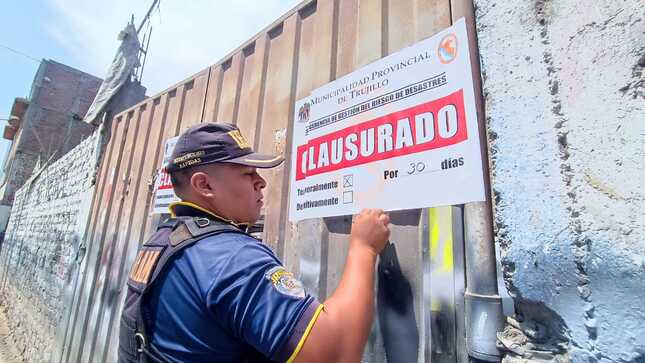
x,y
172,236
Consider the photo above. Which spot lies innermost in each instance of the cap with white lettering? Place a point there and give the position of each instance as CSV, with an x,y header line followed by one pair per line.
x,y
221,142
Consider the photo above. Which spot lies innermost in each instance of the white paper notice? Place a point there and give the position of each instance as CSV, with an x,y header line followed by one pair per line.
x,y
399,133
164,193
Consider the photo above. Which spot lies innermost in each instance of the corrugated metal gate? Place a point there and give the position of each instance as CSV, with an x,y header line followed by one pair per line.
x,y
255,87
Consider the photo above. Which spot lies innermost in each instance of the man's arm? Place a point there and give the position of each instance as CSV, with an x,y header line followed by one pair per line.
x,y
341,330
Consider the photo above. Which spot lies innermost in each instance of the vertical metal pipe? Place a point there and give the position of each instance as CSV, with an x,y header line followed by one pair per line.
x,y
481,274
484,317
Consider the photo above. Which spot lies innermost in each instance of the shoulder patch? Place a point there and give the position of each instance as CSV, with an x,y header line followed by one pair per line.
x,y
285,283
143,265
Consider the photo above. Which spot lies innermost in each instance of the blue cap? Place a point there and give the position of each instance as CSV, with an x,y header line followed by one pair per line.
x,y
209,142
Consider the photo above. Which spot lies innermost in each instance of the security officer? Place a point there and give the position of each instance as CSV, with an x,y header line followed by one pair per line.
x,y
203,290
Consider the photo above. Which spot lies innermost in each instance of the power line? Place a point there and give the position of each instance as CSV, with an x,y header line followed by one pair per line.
x,y
20,53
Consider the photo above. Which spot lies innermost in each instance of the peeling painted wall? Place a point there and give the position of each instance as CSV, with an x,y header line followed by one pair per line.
x,y
40,251
564,90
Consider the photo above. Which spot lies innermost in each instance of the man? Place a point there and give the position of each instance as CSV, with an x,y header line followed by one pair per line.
x,y
202,290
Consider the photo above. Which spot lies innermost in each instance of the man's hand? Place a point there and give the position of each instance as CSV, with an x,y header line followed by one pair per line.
x,y
341,330
370,229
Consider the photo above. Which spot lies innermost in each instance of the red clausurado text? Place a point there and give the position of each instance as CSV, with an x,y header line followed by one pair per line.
x,y
430,125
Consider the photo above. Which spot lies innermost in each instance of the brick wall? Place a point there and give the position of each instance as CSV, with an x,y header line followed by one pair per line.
x,y
38,255
52,125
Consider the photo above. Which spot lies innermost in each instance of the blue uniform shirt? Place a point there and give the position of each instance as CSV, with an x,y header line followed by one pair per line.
x,y
225,297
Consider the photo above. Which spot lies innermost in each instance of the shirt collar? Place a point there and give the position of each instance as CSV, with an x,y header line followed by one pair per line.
x,y
193,210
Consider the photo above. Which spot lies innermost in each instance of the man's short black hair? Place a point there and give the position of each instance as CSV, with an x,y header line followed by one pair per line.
x,y
181,179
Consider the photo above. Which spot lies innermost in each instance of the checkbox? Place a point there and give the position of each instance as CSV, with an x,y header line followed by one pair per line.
x,y
348,181
348,197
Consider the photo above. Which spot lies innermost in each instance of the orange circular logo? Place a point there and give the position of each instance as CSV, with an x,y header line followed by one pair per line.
x,y
447,50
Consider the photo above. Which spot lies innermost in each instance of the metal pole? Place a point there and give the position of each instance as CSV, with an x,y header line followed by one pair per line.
x,y
145,18
484,317
145,54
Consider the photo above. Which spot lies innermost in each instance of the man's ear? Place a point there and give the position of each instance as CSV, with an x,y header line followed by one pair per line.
x,y
201,184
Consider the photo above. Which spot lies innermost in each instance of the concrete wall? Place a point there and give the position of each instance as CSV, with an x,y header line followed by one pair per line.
x,y
5,211
39,253
563,86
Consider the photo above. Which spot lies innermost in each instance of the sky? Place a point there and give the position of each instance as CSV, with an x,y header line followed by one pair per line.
x,y
187,36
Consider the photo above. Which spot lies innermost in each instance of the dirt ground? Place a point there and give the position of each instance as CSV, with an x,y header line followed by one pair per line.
x,y
8,351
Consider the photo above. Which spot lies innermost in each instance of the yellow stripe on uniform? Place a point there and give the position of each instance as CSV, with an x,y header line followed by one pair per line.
x,y
195,206
301,343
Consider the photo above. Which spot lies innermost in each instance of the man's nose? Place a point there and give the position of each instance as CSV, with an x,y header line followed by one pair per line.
x,y
260,183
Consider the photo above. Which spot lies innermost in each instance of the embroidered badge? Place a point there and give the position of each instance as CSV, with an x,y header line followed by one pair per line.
x,y
285,282
236,135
